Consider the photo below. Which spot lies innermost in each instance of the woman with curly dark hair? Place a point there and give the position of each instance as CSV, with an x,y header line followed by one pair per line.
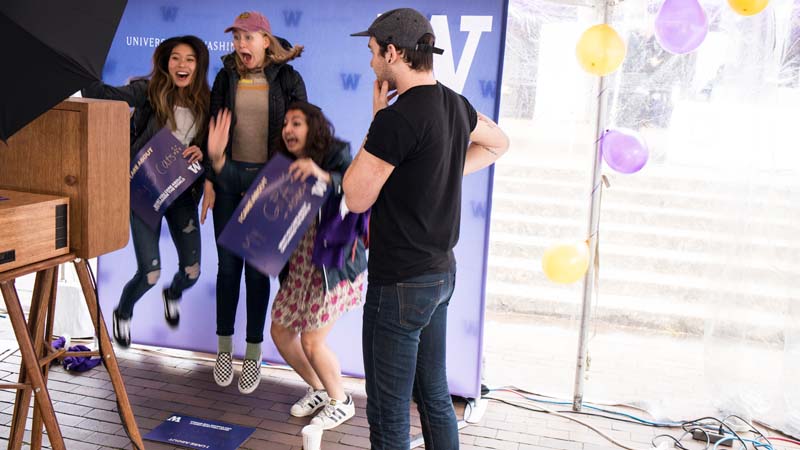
x,y
324,276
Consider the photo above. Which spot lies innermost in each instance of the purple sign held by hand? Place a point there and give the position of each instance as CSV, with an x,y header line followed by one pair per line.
x,y
159,175
273,216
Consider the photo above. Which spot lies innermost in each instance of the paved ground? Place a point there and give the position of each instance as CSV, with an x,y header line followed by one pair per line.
x,y
160,383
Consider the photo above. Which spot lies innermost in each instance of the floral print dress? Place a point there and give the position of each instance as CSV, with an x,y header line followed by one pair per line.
x,y
302,304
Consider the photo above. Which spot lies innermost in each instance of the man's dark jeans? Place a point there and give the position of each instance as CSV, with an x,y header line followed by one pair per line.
x,y
404,342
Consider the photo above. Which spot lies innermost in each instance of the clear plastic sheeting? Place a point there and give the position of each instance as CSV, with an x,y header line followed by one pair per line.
x,y
697,309
539,196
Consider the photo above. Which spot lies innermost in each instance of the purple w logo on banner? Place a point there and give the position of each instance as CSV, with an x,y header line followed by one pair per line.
x,y
273,216
159,174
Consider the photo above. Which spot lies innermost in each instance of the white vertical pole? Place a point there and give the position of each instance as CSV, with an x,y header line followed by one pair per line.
x,y
594,222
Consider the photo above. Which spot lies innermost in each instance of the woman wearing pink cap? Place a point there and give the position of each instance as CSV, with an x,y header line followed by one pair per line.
x,y
248,103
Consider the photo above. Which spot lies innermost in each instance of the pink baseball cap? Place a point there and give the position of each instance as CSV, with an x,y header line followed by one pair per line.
x,y
250,21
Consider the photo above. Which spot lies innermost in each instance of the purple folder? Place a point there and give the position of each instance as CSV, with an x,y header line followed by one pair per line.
x,y
192,432
160,174
273,216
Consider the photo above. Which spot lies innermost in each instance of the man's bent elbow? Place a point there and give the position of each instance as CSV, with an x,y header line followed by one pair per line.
x,y
505,142
354,197
500,145
506,145
354,205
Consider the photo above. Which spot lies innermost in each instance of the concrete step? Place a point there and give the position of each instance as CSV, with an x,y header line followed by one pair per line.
x,y
613,210
650,236
773,204
670,179
693,289
636,311
662,261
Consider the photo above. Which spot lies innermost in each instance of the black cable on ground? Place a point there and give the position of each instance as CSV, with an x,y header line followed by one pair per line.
x,y
559,414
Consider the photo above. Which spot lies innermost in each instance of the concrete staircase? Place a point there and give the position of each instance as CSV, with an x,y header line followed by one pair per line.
x,y
676,248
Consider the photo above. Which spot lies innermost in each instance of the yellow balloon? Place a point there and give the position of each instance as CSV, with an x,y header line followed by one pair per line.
x,y
566,263
748,7
600,50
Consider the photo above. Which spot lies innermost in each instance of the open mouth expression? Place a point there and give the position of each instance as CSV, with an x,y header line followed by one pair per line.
x,y
295,131
251,47
182,64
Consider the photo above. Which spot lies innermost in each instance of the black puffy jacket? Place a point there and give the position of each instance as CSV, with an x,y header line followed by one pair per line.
x,y
290,86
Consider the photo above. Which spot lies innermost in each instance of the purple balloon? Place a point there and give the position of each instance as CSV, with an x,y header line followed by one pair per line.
x,y
623,150
681,25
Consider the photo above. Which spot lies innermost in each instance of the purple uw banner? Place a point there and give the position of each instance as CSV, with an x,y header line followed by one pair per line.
x,y
191,432
338,78
273,216
159,175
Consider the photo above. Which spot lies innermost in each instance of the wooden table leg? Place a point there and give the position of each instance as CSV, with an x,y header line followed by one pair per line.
x,y
31,365
23,396
49,310
41,292
109,358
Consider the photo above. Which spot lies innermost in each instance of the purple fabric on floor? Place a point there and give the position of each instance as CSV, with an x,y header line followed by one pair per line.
x,y
76,363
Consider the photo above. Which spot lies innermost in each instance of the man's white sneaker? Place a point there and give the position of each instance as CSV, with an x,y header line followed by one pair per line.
x,y
310,403
335,413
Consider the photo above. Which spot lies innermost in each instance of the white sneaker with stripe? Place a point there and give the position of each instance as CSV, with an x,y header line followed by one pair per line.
x,y
310,403
335,413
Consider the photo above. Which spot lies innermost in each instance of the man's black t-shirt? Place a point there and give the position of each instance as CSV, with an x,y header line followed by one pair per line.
x,y
415,220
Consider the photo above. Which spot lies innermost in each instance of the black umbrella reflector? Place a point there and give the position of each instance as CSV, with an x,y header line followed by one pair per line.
x,y
55,48
23,101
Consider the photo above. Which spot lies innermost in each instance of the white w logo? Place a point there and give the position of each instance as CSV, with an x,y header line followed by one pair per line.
x,y
176,419
195,167
447,71
319,188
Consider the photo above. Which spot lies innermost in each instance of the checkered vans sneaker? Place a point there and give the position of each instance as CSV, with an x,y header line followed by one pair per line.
x,y
310,403
223,369
335,413
172,310
250,376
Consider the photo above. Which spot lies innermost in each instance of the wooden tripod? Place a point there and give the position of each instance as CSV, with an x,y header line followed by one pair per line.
x,y
34,337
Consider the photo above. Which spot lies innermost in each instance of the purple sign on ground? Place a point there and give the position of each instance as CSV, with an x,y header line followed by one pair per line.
x,y
191,432
273,216
159,175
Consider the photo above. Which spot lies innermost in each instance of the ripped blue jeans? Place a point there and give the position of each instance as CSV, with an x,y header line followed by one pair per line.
x,y
183,222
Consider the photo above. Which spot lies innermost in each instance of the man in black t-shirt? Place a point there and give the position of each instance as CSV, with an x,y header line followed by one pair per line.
x,y
410,171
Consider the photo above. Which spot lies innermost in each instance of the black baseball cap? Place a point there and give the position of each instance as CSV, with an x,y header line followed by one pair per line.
x,y
403,28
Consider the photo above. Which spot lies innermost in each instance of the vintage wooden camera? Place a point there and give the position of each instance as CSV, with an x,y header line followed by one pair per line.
x,y
80,150
33,227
